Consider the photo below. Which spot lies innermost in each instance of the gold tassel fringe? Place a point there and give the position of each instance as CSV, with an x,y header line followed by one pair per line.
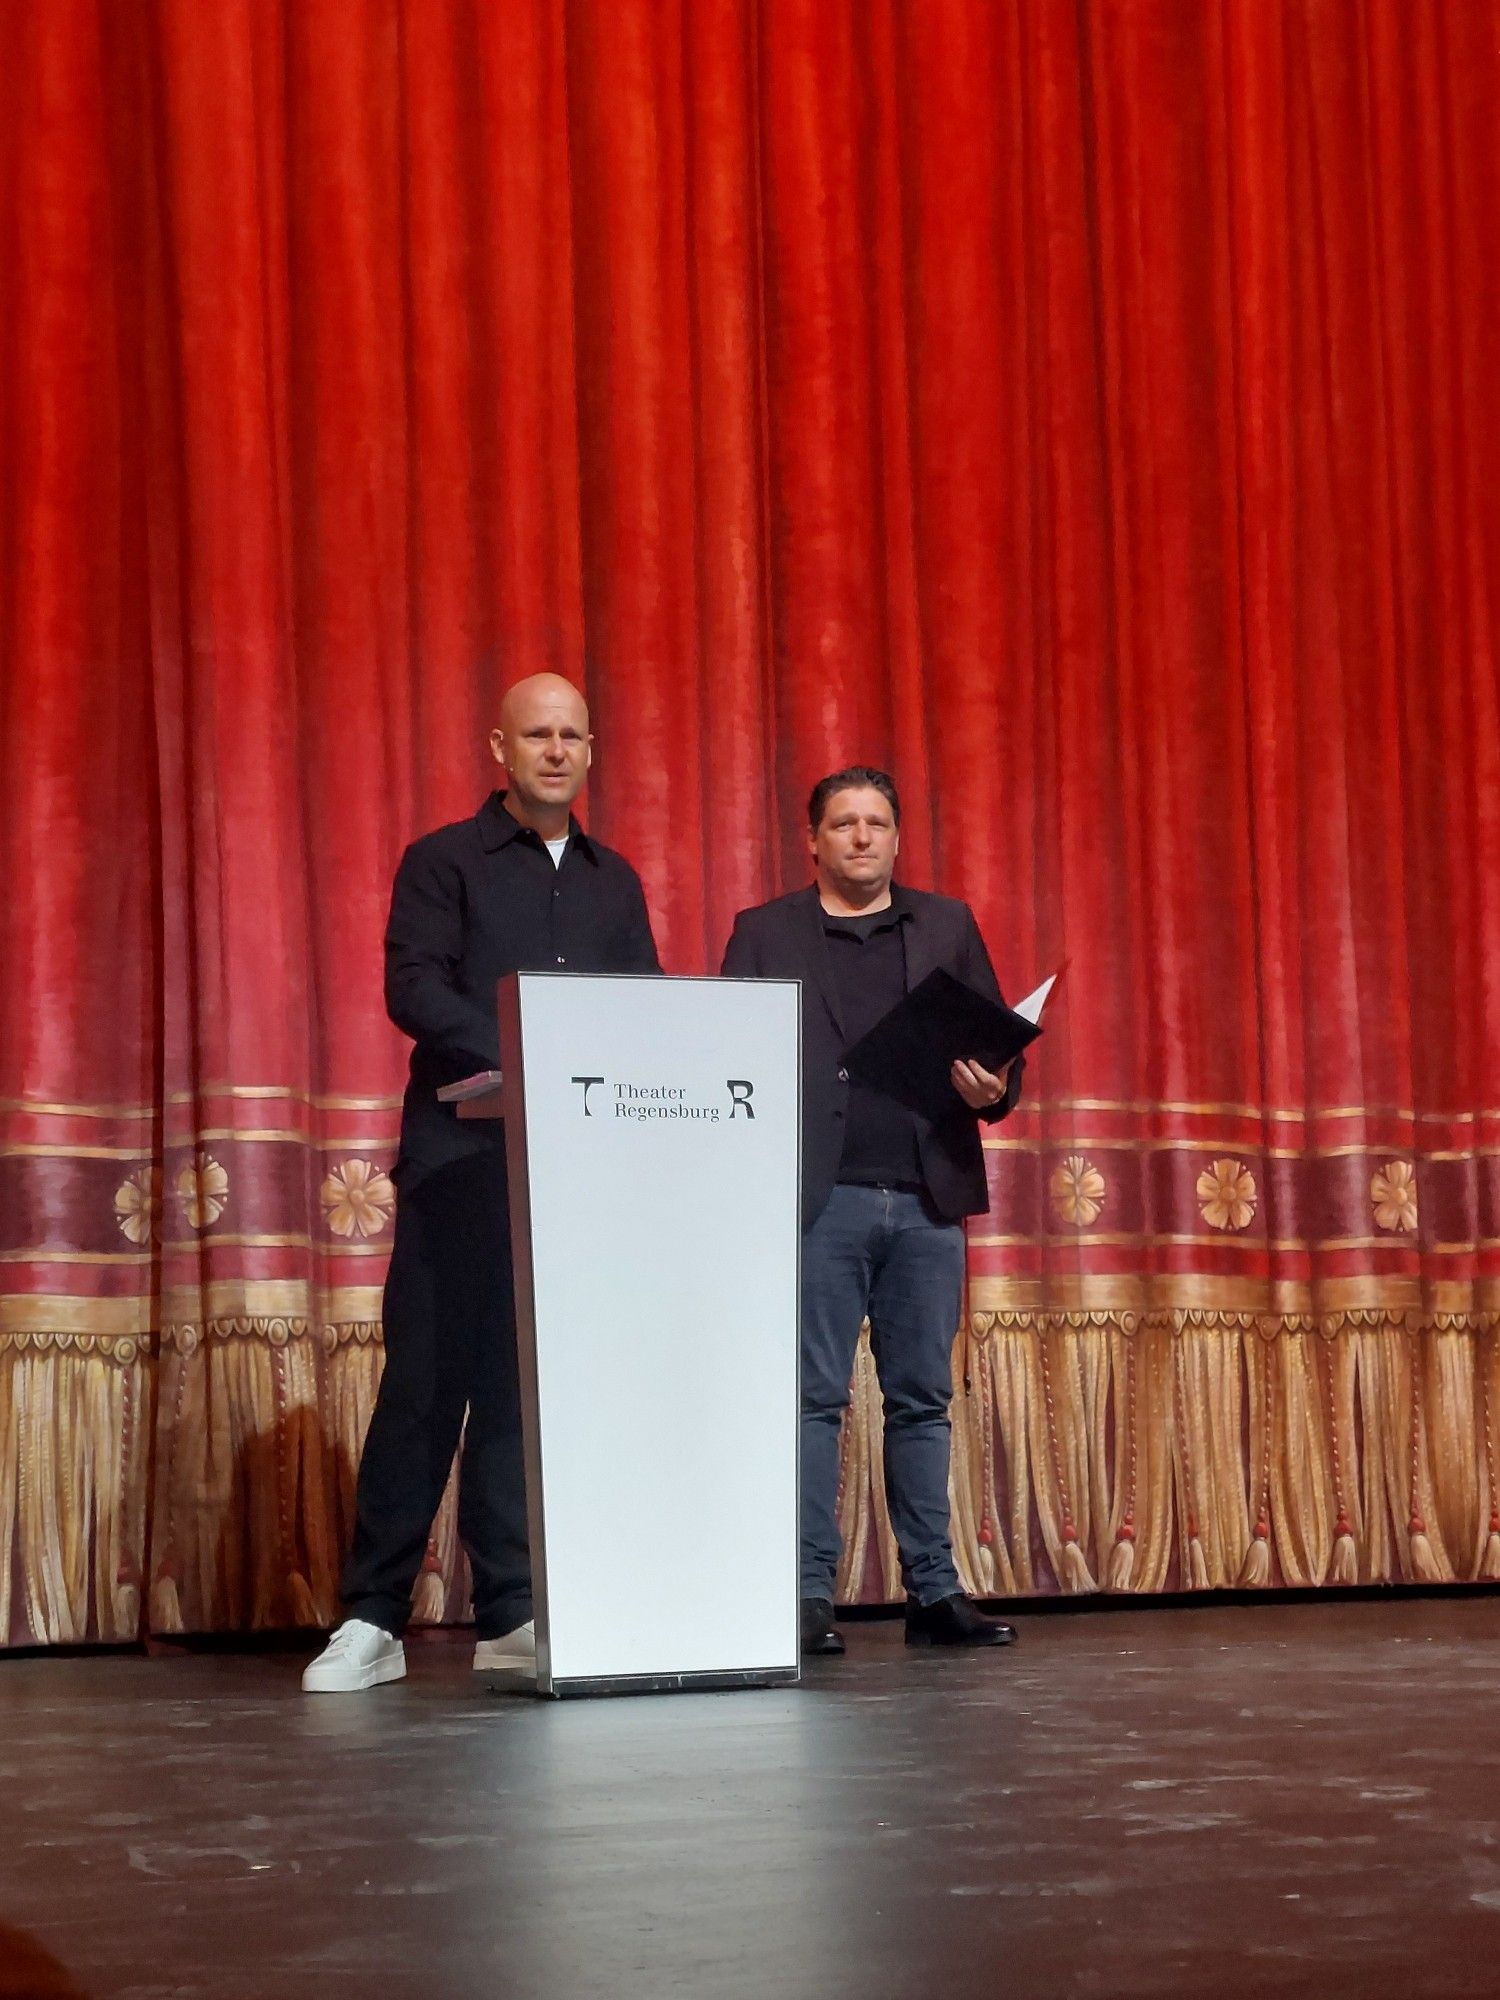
x,y
305,1611
1370,1459
128,1611
429,1600
1255,1570
1424,1563
1073,1573
73,1454
166,1606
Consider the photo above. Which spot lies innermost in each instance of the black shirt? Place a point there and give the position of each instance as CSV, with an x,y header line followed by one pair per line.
x,y
472,902
868,957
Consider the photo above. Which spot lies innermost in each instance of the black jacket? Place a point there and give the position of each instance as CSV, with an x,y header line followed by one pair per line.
x,y
784,940
472,902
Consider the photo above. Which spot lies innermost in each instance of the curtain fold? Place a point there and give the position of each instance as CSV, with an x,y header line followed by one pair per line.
x,y
1077,410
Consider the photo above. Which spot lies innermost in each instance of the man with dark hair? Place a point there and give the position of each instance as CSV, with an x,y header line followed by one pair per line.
x,y
520,887
854,777
884,1191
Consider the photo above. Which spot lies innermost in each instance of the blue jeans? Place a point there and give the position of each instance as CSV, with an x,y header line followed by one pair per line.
x,y
881,1252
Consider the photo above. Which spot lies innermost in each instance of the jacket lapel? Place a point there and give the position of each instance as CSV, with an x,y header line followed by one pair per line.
x,y
815,954
919,953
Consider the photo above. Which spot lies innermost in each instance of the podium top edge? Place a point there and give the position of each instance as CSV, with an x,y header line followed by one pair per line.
x,y
659,978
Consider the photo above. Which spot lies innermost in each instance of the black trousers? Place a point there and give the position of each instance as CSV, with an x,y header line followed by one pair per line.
x,y
450,1347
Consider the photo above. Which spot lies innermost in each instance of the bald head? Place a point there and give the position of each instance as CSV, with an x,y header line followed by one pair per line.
x,y
540,693
544,747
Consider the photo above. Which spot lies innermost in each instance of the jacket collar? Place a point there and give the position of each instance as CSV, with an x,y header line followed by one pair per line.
x,y
497,829
906,904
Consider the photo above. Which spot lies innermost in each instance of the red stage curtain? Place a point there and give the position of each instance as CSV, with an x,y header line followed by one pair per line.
x,y
1076,409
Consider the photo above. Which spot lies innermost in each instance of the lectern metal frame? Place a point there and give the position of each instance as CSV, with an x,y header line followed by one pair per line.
x,y
509,1001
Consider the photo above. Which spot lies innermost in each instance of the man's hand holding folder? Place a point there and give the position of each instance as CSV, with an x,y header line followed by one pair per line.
x,y
978,1087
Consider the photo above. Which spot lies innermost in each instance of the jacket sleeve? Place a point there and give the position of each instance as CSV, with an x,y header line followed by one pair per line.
x,y
977,971
639,940
741,960
423,953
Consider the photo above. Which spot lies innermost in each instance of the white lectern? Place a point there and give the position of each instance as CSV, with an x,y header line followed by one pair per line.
x,y
652,1132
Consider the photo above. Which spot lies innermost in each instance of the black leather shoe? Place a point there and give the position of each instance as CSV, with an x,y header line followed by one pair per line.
x,y
819,1633
953,1621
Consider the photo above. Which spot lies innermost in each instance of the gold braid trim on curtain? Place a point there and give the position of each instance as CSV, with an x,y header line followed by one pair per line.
x,y
265,1416
74,1446
1202,1450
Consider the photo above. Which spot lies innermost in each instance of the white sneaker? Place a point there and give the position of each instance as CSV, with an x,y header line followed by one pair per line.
x,y
358,1656
514,1654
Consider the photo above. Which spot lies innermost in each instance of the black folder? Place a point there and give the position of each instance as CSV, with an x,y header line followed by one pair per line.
x,y
910,1051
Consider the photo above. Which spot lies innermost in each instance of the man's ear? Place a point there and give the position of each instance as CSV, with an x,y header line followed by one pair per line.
x,y
497,746
588,754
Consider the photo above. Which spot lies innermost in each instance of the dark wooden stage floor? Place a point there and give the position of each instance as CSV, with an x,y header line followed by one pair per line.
x,y
1271,1799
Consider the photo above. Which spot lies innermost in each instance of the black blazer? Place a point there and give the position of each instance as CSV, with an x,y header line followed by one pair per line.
x,y
472,902
784,940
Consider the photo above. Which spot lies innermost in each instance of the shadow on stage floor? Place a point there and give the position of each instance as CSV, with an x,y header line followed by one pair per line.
x,y
1209,1801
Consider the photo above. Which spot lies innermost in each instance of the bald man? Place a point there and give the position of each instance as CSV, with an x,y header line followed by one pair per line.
x,y
520,887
